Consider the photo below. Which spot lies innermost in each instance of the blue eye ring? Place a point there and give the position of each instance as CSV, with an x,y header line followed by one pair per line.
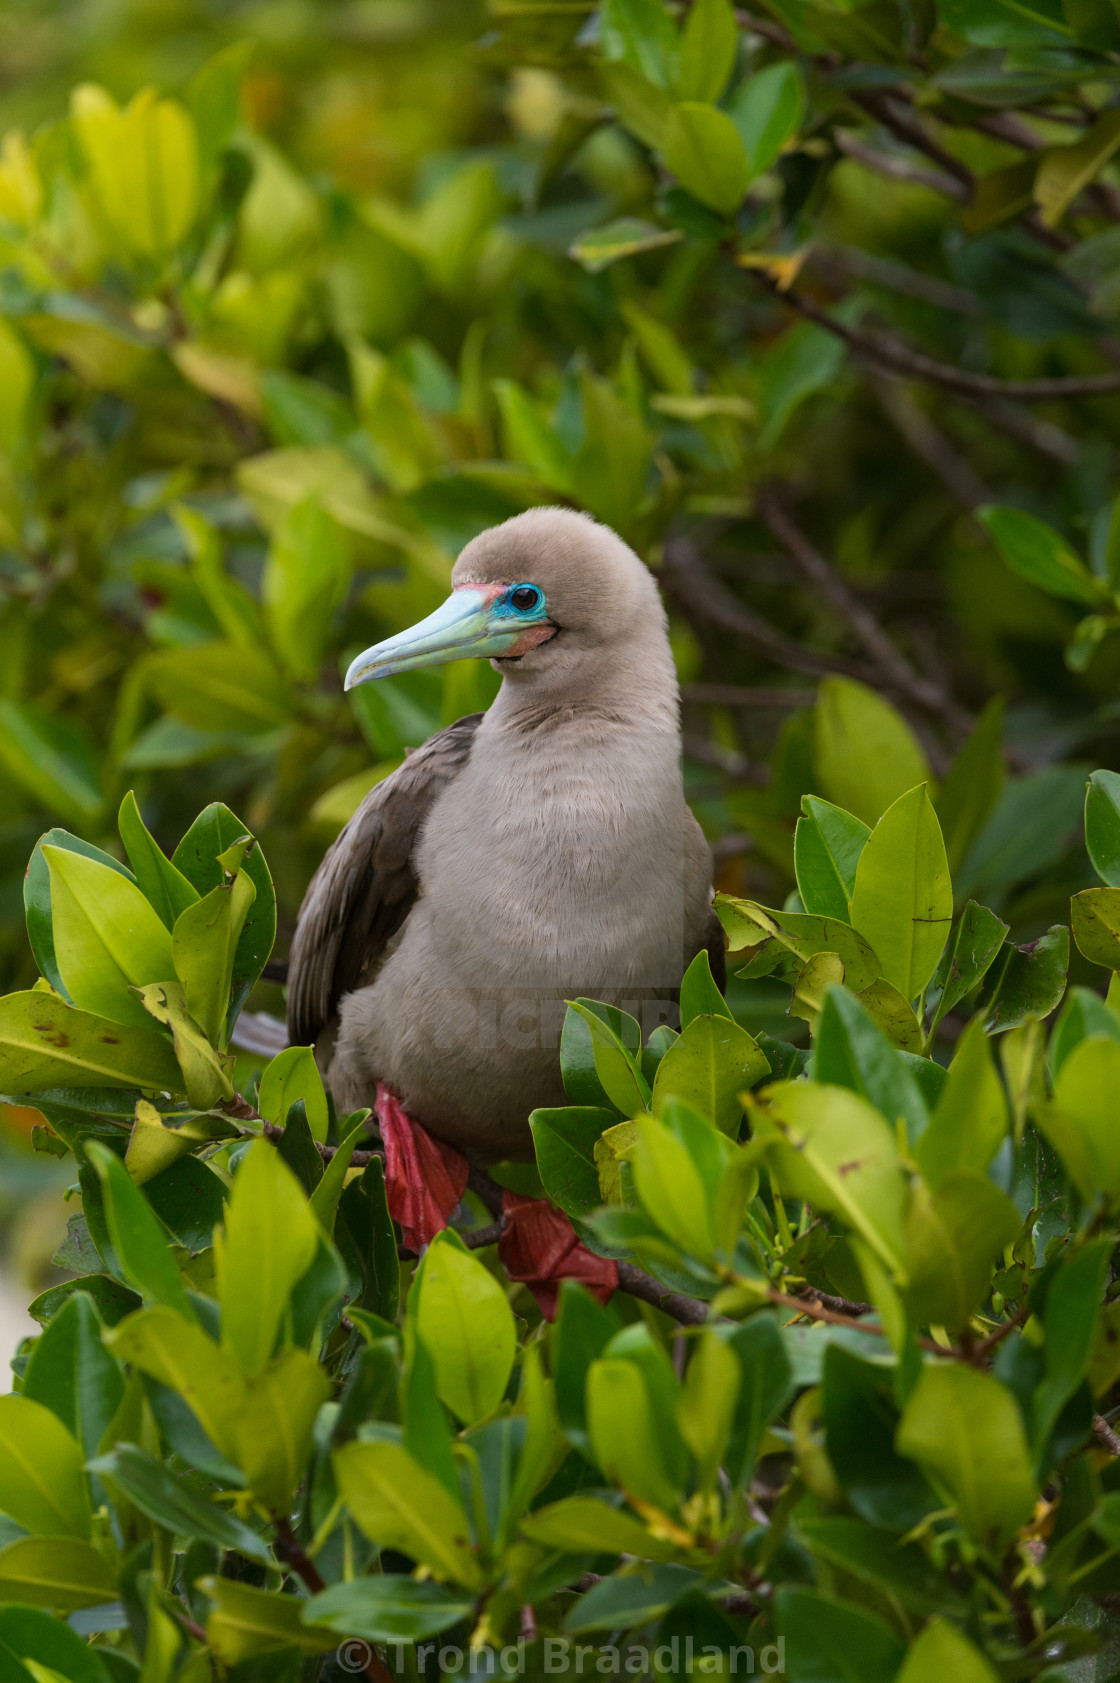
x,y
525,598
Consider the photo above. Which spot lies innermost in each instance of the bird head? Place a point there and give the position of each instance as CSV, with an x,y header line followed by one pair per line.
x,y
532,595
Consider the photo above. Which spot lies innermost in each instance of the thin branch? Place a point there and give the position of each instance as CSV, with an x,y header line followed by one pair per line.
x,y
905,124
893,354
1037,434
893,666
897,277
291,1552
928,443
689,1311
1105,1435
700,593
743,695
899,169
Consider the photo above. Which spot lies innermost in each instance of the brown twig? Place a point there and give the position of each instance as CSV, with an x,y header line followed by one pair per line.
x,y
892,353
291,1552
893,666
928,443
1105,1435
689,1311
703,596
899,169
742,695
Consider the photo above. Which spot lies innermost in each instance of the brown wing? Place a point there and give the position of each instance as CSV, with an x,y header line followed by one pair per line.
x,y
363,891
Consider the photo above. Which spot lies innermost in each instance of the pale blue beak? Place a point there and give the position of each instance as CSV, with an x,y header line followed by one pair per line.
x,y
471,623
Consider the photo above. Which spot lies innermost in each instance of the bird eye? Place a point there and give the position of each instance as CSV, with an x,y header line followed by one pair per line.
x,y
524,597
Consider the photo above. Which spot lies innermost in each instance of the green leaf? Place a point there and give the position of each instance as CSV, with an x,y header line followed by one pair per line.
x,y
894,1014
399,1505
631,1597
1084,1013
834,1639
853,1052
46,1043
1006,23
72,1373
176,1352
206,1073
803,935
1102,825
42,1480
806,359
584,1523
1040,555
165,888
293,1074
1064,170
364,1214
766,1384
866,755
967,958
873,1557
107,938
767,110
707,1405
30,1632
37,899
172,1503
861,1416
641,34
582,1330
954,1236
699,994
1080,1123
50,756
464,1319
564,1141
1095,925
709,48
245,1621
627,1433
1070,1316
275,1423
941,1650
827,844
1026,981
597,248
681,1161
839,1154
198,856
965,1430
972,785
219,686
970,1119
708,1066
137,1238
305,579
703,149
324,1199
269,1239
58,1572
391,1608
616,1068
204,946
903,899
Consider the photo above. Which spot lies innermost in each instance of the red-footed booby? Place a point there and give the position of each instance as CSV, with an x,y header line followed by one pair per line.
x,y
531,854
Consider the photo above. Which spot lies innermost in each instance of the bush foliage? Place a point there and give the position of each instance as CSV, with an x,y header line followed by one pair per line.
x,y
812,302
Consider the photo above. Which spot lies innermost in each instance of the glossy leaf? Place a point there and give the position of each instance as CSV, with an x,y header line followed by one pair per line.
x,y
37,898
865,753
1102,825
172,1503
107,938
972,948
1040,555
464,1320
293,1074
972,785
72,1374
391,1608
197,857
1026,981
826,850
703,149
42,1482
767,110
970,1119
399,1505
699,994
953,1237
59,1572
709,48
269,1238
902,902
177,1353
965,1430
165,888
1095,925
616,1067
853,1052
712,1062
45,1043
565,1141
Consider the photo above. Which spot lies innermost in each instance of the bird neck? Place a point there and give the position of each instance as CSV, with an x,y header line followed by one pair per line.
x,y
631,684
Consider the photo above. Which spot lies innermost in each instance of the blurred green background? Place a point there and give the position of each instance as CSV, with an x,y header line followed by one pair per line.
x,y
363,277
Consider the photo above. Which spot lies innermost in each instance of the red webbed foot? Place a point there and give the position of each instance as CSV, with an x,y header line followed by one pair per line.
x,y
424,1177
540,1248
